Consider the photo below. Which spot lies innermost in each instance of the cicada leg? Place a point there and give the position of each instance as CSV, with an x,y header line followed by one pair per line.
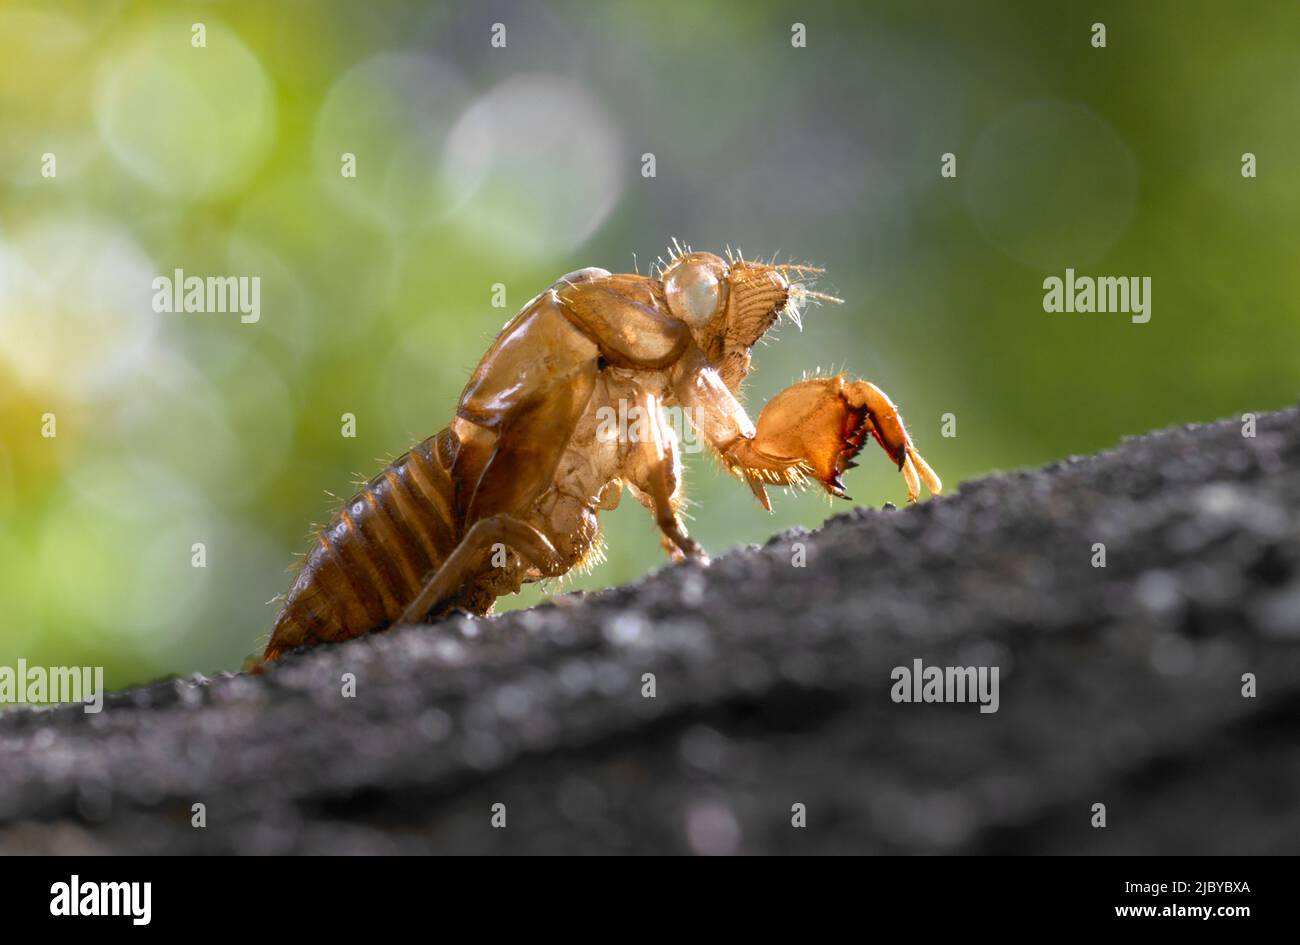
x,y
886,426
815,429
655,473
466,561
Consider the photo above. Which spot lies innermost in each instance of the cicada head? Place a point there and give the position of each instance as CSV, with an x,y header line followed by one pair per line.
x,y
730,304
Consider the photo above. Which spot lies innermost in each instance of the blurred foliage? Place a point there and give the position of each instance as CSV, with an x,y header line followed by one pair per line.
x,y
478,165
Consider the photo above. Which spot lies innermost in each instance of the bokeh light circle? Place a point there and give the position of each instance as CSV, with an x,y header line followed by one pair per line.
x,y
111,511
76,314
392,113
1051,184
192,123
555,165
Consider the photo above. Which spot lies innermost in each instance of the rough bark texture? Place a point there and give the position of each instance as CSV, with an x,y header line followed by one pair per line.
x,y
1119,685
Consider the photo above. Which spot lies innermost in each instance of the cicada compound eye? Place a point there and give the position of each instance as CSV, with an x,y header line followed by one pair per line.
x,y
695,287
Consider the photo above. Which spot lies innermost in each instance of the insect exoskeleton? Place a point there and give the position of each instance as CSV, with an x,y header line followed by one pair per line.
x,y
373,557
510,491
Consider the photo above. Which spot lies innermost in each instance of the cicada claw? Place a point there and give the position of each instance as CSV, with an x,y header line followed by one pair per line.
x,y
915,467
820,425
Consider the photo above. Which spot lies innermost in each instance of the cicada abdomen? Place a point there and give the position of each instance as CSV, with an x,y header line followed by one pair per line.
x,y
373,558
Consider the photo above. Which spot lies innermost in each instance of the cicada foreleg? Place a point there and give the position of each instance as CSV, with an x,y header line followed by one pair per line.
x,y
656,481
820,425
467,561
881,417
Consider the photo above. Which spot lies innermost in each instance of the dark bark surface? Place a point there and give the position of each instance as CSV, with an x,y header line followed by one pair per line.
x,y
1119,685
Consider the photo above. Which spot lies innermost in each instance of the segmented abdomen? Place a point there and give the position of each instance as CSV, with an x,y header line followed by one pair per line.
x,y
373,558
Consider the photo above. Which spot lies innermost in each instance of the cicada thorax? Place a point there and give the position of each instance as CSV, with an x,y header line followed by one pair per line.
x,y
373,558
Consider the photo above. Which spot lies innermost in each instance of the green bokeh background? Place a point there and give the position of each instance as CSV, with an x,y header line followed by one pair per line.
x,y
478,165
